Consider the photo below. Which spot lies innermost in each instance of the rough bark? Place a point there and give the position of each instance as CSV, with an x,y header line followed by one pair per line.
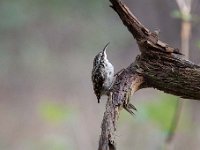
x,y
159,66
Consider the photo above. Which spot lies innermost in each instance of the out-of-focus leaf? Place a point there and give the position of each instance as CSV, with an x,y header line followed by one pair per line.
x,y
12,14
186,17
161,111
178,15
126,117
50,142
58,143
55,113
198,44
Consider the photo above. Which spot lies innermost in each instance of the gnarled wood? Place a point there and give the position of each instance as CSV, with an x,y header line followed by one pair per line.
x,y
121,87
159,66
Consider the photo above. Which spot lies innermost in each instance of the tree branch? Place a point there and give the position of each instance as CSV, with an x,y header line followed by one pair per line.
x,y
158,66
127,83
158,63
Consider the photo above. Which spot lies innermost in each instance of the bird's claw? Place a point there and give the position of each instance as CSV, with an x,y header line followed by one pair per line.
x,y
130,108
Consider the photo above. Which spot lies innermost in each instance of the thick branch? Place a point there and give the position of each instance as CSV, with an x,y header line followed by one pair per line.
x,y
170,74
129,20
107,139
126,82
158,66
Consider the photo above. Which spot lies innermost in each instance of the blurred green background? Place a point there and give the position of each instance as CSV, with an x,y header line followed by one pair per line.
x,y
46,97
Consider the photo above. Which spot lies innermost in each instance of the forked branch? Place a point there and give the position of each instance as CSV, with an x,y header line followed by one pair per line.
x,y
159,66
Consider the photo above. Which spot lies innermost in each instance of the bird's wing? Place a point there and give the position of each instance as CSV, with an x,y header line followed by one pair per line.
x,y
98,78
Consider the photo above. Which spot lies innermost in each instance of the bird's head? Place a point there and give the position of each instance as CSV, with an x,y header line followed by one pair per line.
x,y
101,55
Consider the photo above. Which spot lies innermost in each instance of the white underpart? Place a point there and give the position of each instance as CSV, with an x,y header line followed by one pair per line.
x,y
109,76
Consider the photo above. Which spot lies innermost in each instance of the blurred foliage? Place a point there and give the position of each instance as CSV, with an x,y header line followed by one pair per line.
x,y
178,15
50,142
198,44
40,40
15,14
12,14
126,117
161,111
55,113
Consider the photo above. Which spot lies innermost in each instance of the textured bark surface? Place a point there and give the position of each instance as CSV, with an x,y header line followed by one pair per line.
x,y
126,84
107,139
159,66
170,74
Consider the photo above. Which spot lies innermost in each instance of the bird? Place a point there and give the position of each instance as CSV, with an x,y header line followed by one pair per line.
x,y
102,74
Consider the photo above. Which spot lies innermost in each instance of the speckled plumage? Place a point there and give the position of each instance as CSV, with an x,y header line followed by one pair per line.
x,y
102,74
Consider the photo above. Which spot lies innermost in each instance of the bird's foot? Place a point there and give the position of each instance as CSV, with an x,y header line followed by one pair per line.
x,y
130,108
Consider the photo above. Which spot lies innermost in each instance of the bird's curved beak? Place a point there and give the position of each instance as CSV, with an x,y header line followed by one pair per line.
x,y
104,49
